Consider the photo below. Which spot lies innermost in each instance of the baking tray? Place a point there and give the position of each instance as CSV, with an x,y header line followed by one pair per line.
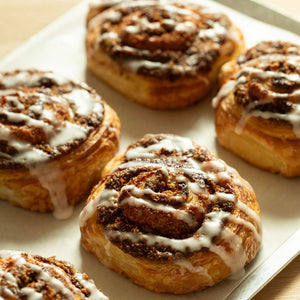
x,y
60,47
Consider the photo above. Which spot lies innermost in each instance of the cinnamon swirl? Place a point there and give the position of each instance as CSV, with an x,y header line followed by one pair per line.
x,y
171,216
24,276
164,54
257,111
55,137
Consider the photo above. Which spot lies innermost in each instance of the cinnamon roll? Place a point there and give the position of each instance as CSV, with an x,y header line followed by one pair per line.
x,y
164,54
257,111
171,216
55,137
24,276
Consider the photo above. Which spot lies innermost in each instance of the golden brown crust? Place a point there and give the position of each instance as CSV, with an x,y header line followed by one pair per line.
x,y
157,58
257,109
167,213
57,136
23,275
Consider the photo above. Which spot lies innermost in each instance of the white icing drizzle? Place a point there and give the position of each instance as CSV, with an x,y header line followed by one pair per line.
x,y
95,3
248,211
142,25
84,103
180,214
142,192
108,37
24,78
214,32
113,16
186,27
31,294
46,273
95,294
69,132
226,89
134,64
200,270
87,212
254,70
58,132
170,143
53,181
212,225
26,152
223,92
217,196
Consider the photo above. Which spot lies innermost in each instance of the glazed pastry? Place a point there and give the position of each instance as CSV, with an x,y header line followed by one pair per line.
x,y
55,137
257,111
171,216
164,54
31,277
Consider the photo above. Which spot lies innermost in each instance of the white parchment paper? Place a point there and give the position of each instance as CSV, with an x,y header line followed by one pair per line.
x,y
60,47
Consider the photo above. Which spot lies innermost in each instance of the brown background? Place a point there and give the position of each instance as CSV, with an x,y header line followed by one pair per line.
x,y
20,19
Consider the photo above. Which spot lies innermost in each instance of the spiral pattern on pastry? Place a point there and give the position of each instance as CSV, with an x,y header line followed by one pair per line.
x,y
47,125
171,216
24,276
262,96
164,42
